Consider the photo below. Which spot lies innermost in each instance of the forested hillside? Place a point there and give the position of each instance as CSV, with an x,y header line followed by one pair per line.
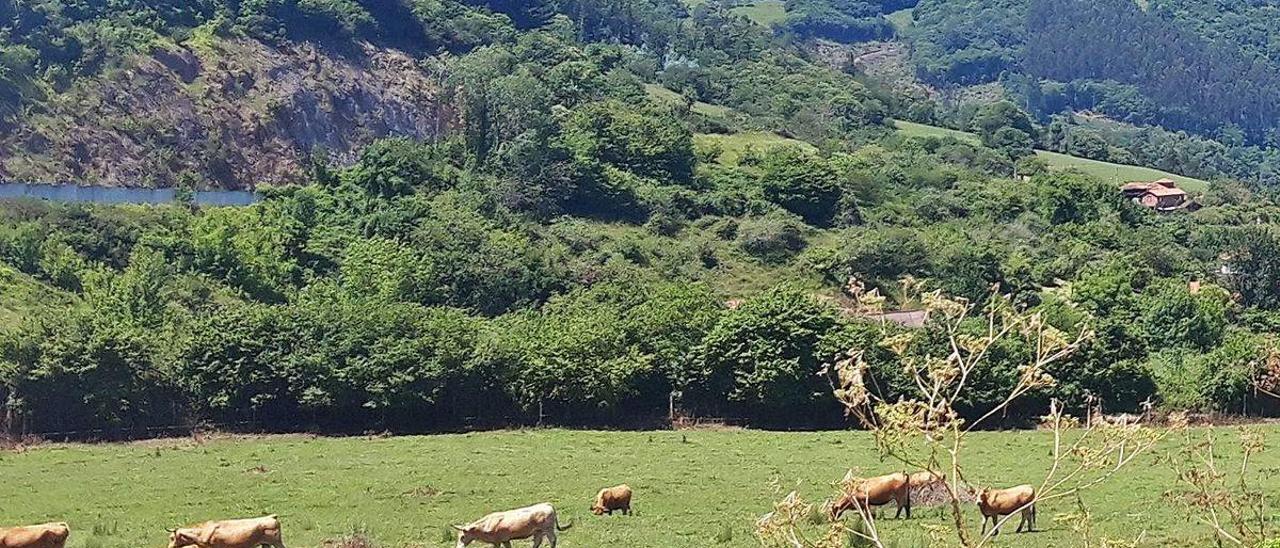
x,y
590,205
1204,68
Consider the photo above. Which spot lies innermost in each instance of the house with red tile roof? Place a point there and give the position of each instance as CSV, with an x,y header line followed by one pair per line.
x,y
1160,195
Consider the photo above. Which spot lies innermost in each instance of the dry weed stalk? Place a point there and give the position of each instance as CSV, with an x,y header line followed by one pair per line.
x,y
1234,508
1222,496
927,432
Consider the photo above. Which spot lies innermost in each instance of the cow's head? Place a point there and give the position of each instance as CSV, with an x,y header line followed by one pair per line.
x,y
597,509
466,535
181,537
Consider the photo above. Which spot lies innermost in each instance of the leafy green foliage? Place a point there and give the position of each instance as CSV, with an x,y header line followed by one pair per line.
x,y
764,358
840,20
562,249
801,183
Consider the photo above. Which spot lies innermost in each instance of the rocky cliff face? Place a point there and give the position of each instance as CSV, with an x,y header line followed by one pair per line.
x,y
238,113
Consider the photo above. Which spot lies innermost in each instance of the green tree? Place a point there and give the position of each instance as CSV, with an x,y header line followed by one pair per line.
x,y
994,117
396,167
646,143
801,183
765,358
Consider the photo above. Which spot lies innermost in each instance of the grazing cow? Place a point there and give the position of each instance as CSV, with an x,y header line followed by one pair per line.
x,y
925,478
878,491
232,533
995,503
613,498
500,528
49,535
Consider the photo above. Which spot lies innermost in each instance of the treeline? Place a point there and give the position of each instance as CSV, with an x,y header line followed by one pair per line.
x,y
582,245
1198,86
1146,66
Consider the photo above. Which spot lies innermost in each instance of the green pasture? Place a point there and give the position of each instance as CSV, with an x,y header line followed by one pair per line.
x,y
693,489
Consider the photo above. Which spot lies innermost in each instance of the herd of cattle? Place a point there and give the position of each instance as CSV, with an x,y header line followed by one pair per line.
x,y
539,522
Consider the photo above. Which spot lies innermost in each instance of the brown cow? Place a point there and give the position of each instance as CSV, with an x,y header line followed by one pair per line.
x,y
878,491
995,503
613,498
49,535
232,533
500,528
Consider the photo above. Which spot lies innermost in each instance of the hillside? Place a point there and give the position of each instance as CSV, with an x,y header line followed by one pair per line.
x,y
584,209
1210,75
634,216
237,112
1116,174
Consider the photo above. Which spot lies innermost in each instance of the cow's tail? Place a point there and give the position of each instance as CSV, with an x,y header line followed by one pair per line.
x,y
565,528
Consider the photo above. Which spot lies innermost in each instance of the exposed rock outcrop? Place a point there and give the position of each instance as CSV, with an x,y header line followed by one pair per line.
x,y
238,112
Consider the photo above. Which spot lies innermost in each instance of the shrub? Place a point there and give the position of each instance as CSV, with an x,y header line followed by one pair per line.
x,y
774,238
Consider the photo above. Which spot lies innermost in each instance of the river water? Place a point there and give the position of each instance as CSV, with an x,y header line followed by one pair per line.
x,y
111,195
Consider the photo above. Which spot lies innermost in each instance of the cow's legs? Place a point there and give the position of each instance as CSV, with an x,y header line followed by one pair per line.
x,y
551,536
537,540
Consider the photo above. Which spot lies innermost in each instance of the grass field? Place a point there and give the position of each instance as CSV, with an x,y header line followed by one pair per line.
x,y
1115,173
665,95
734,145
693,489
764,12
902,20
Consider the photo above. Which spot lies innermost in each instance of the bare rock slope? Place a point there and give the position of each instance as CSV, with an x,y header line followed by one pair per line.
x,y
238,112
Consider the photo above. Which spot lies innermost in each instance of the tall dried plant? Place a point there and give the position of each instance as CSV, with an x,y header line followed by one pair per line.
x,y
926,431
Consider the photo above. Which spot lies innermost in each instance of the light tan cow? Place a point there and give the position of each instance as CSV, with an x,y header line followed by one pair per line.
x,y
613,498
500,528
232,533
48,535
995,503
878,491
926,478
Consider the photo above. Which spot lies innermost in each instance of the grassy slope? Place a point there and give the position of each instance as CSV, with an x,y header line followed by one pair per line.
x,y
20,294
764,12
902,20
405,491
1116,173
665,95
734,145
738,274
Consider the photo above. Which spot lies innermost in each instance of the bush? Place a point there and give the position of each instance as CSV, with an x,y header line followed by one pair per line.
x,y
802,184
774,238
